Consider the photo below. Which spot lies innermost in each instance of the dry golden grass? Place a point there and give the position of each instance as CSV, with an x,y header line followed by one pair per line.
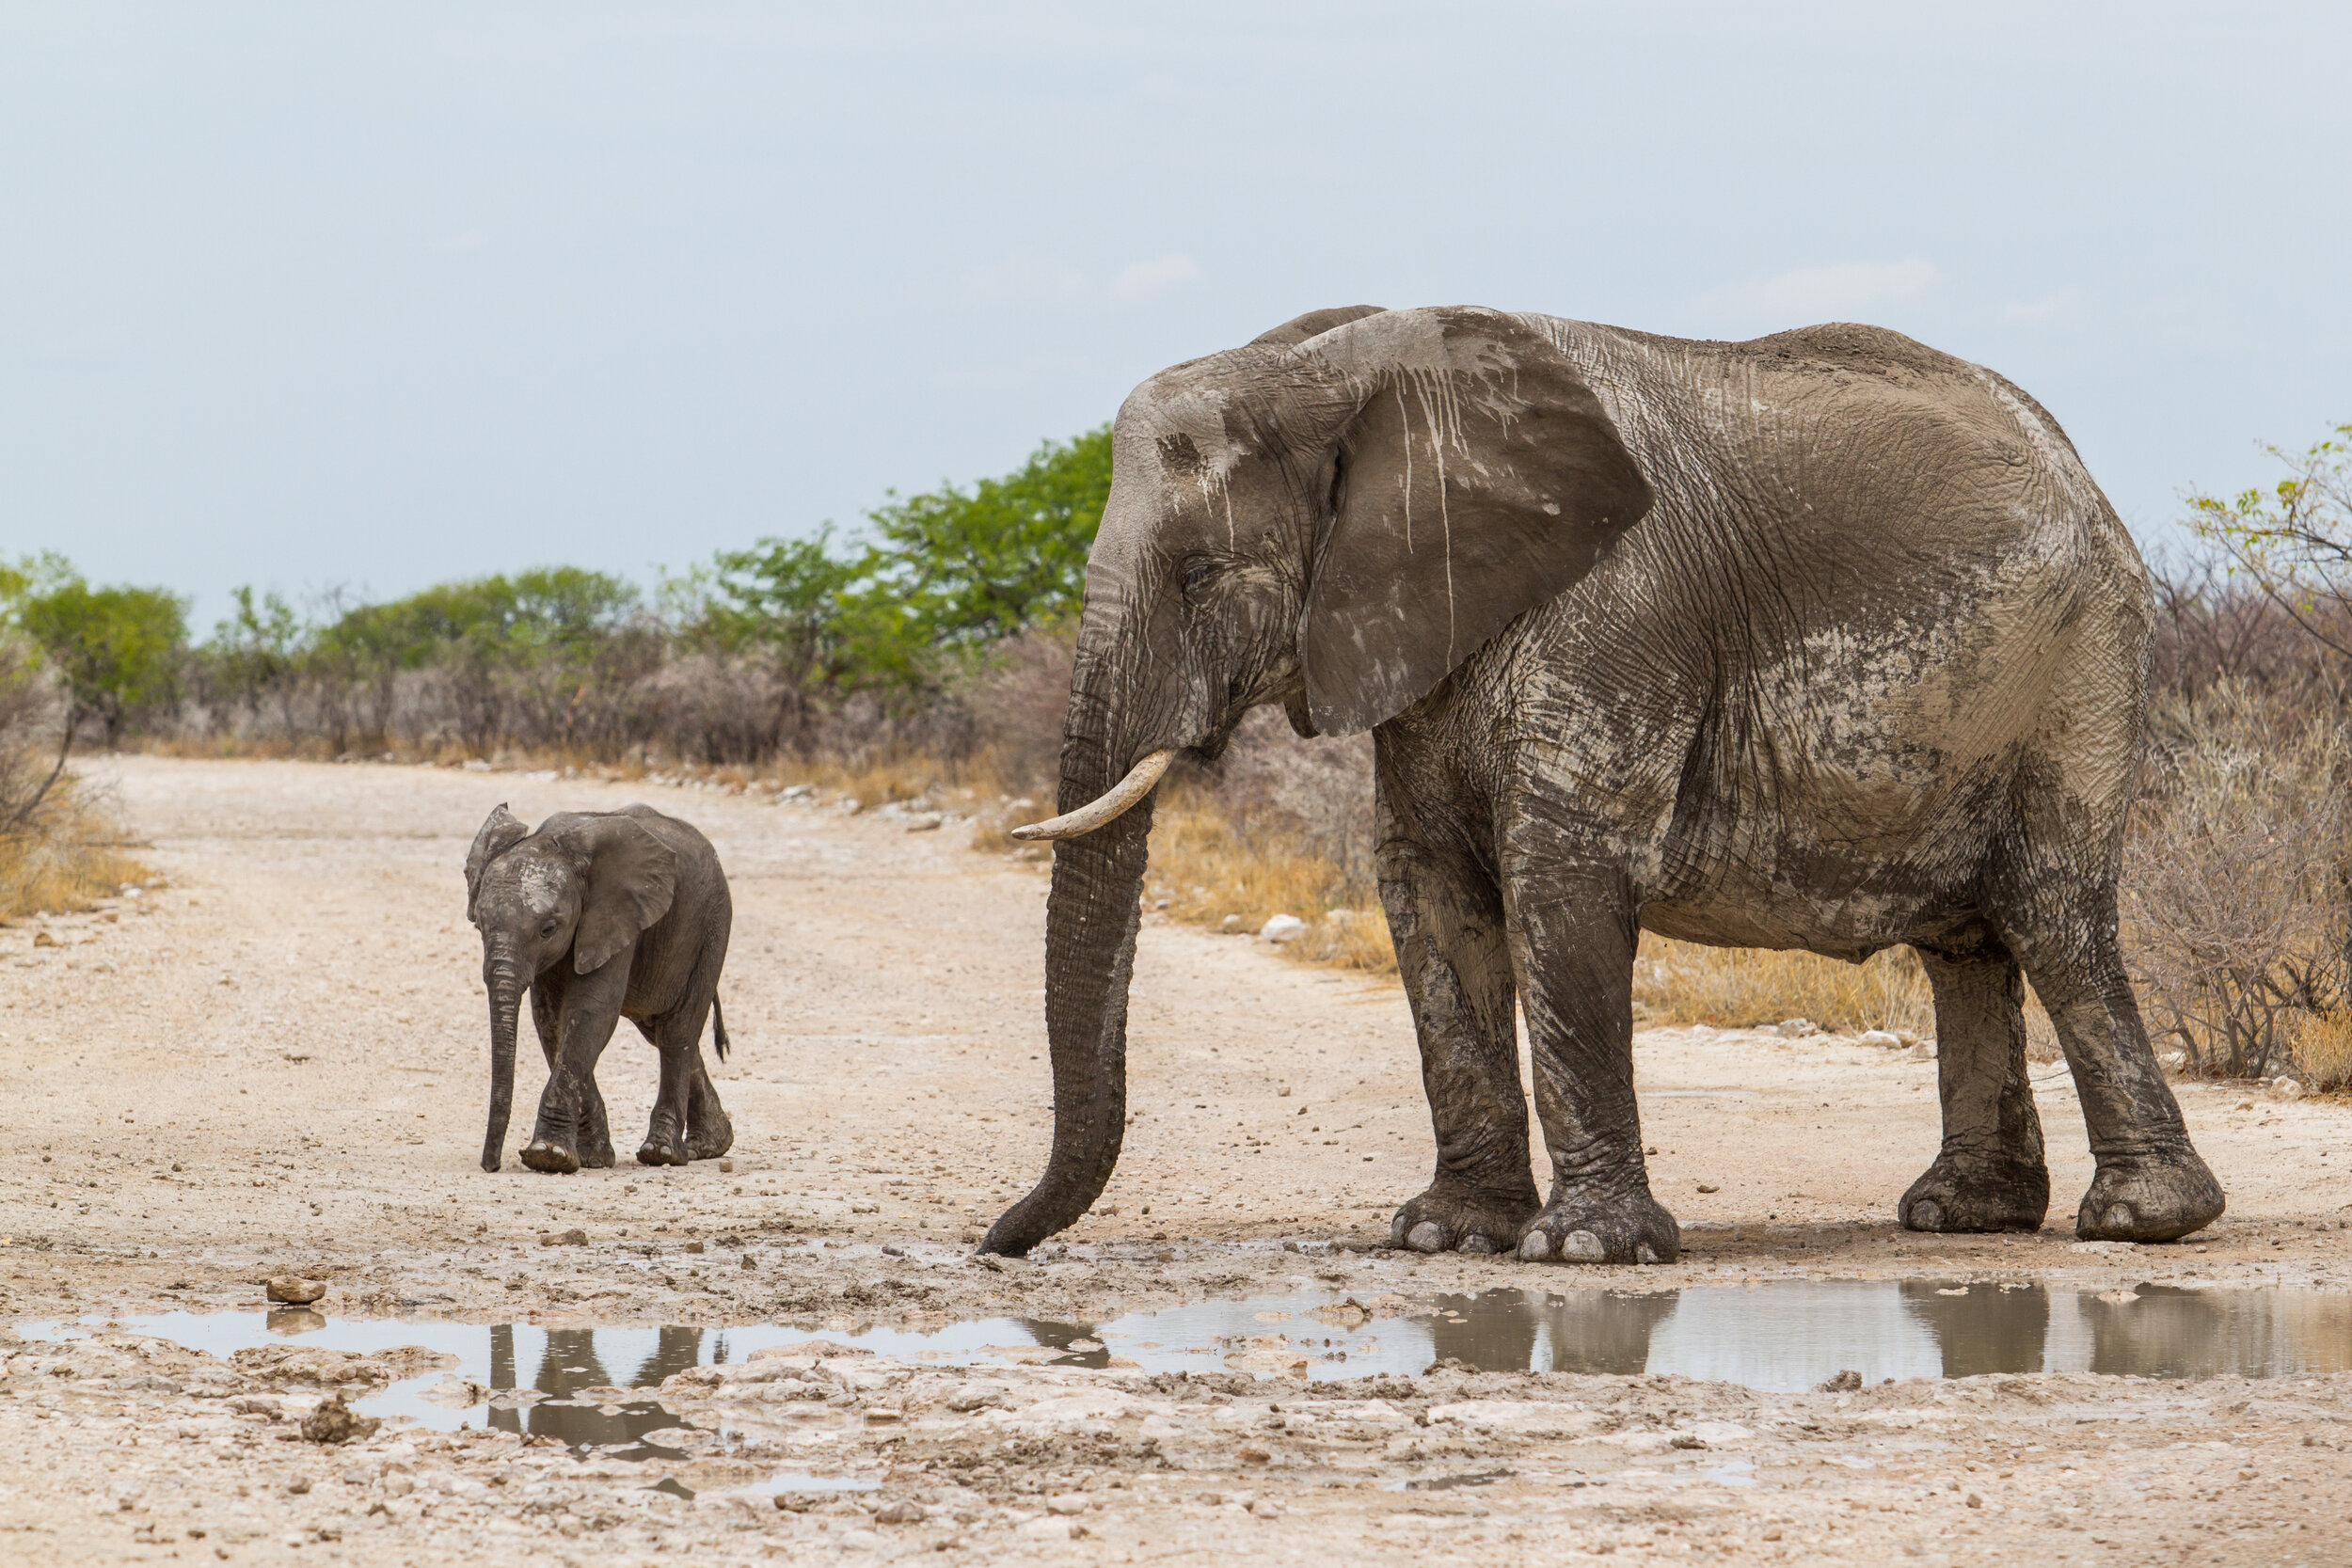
x,y
69,862
1680,982
2324,1046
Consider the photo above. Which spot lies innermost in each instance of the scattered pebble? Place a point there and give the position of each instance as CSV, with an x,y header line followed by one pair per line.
x,y
294,1291
577,1237
334,1421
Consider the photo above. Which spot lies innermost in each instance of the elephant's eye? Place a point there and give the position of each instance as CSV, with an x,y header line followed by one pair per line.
x,y
1199,573
548,929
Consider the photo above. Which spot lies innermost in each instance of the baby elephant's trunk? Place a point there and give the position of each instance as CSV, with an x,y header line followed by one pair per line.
x,y
505,1000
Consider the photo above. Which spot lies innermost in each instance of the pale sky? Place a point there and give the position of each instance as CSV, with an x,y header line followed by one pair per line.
x,y
310,296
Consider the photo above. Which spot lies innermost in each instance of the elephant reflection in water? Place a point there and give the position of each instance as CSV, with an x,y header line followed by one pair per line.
x,y
1589,1331
2164,1331
568,1363
1983,1328
1060,1338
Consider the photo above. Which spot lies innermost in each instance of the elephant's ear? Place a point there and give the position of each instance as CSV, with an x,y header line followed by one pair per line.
x,y
499,833
1478,477
631,879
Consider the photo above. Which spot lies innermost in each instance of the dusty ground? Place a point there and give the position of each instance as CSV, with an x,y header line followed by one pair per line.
x,y
277,1063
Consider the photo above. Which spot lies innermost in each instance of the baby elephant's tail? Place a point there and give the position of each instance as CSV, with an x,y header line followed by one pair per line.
x,y
719,1026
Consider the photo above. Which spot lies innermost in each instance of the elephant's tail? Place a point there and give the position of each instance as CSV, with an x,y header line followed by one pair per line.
x,y
719,1026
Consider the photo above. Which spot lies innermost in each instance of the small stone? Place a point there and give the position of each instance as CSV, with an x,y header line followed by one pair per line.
x,y
1686,1441
691,1247
1254,1456
293,1290
334,1421
1797,1028
574,1237
1883,1038
1231,924
1066,1504
1844,1383
1266,1508
1704,1188
2287,1088
42,939
1282,927
1975,1501
904,1512
925,823
726,1168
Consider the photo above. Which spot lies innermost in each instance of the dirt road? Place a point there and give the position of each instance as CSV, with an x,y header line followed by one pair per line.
x,y
277,1063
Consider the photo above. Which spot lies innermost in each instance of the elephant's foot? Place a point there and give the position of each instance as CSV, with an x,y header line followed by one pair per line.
x,y
547,1154
665,1144
1574,1228
1451,1218
710,1134
2153,1196
1957,1195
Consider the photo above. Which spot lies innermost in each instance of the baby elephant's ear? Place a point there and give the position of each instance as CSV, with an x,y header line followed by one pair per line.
x,y
631,879
499,833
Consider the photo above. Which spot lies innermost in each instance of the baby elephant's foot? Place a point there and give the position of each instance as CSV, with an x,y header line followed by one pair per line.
x,y
1582,1231
2150,1198
1460,1219
666,1145
711,1137
1959,1195
547,1154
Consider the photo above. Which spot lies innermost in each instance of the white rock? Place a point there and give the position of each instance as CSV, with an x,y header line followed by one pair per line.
x,y
1797,1028
2286,1088
1884,1040
1282,927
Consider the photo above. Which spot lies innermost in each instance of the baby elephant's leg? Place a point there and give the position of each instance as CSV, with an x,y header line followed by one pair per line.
x,y
687,1121
708,1132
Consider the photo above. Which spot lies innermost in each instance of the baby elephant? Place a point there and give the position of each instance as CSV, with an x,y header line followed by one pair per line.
x,y
604,915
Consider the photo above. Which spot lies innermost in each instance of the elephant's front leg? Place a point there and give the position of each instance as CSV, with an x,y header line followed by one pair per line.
x,y
571,1125
1446,917
547,1018
1573,935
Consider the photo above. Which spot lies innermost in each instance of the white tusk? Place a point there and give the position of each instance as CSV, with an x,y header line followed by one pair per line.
x,y
1118,799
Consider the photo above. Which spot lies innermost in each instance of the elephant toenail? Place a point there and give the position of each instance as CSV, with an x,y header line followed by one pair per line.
x,y
1535,1247
1926,1216
2119,1217
1396,1232
1428,1236
1582,1246
1474,1244
1647,1253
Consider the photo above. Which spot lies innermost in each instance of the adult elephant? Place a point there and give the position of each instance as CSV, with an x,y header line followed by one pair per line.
x,y
1825,640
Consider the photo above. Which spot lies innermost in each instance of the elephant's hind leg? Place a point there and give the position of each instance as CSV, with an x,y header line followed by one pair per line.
x,y
709,1132
688,1121
1447,918
1990,1173
2150,1185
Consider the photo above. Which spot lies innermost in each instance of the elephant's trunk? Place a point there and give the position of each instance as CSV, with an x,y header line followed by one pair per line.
x,y
1090,922
506,994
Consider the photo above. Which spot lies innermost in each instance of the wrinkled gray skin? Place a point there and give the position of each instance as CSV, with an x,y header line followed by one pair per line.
x,y
604,915
1825,640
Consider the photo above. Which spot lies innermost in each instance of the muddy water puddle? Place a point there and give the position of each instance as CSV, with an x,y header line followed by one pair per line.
x,y
591,1387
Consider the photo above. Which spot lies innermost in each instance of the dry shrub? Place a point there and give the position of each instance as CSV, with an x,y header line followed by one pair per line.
x,y
59,846
2233,897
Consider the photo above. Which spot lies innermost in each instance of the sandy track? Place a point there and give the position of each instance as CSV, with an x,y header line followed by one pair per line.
x,y
278,1063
